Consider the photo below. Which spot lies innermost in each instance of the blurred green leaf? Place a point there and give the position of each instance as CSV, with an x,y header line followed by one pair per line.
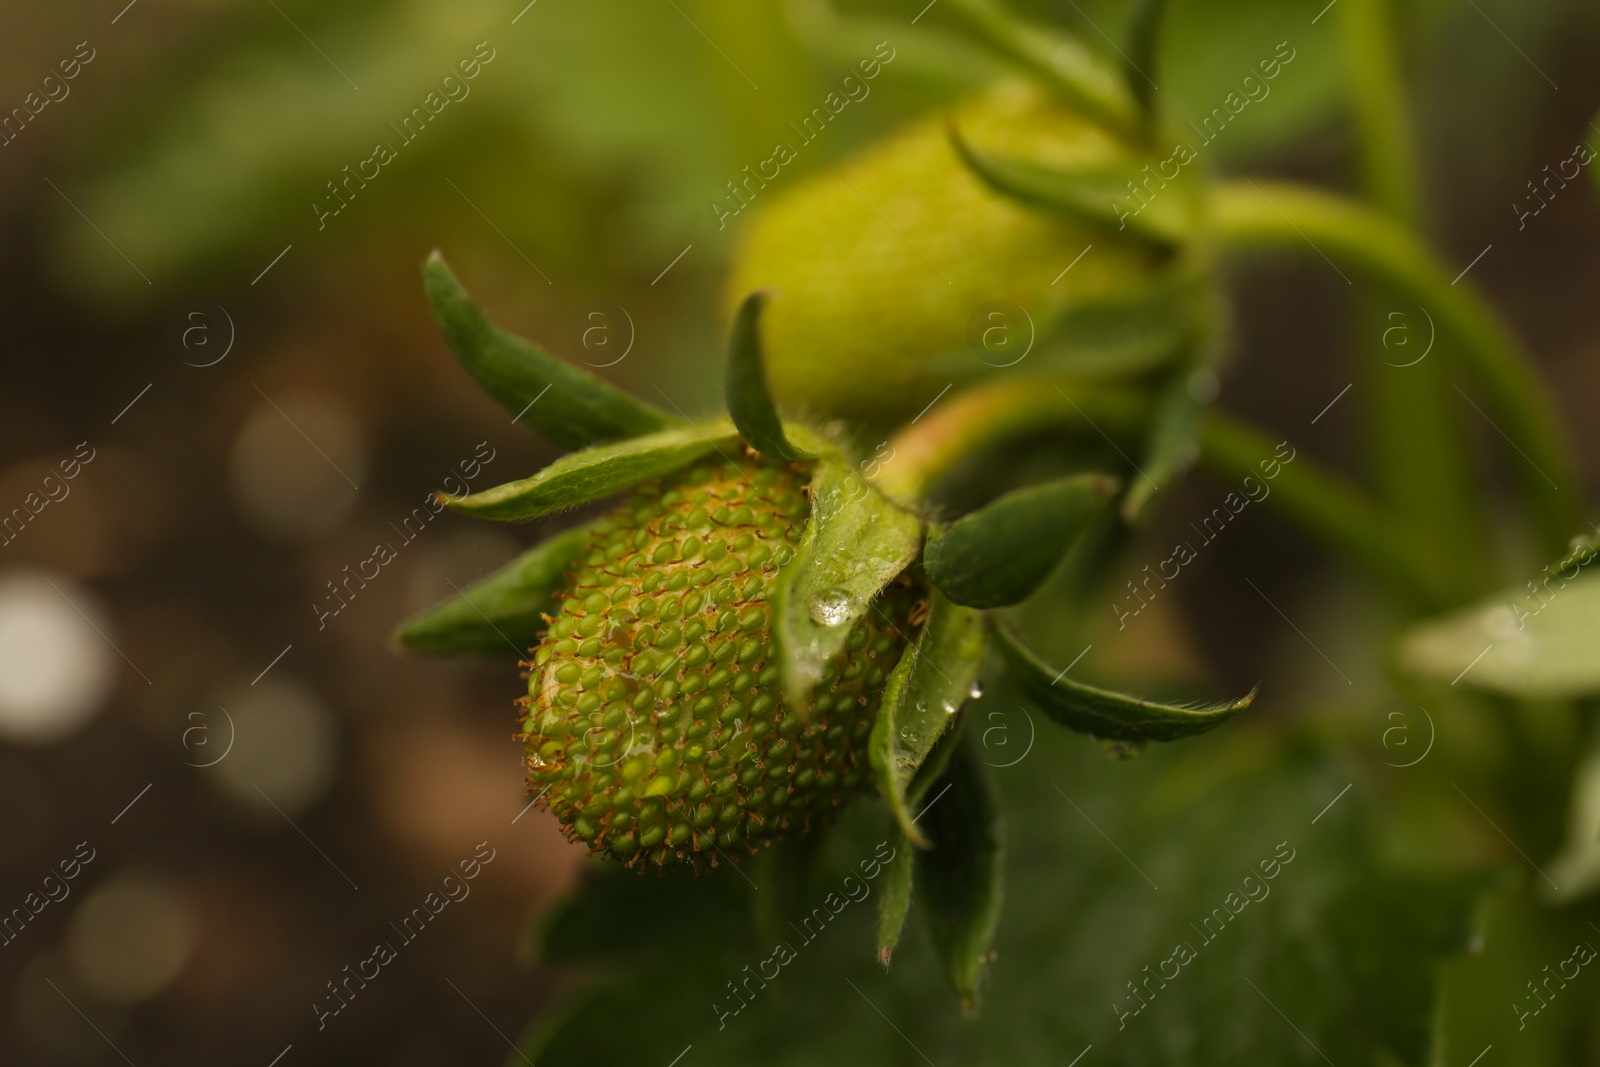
x,y
1523,942
855,542
1101,712
1208,48
749,400
926,689
597,472
580,410
1537,642
1302,945
1000,554
963,874
503,612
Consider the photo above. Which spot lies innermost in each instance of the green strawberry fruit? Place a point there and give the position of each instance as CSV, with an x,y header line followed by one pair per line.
x,y
888,269
746,643
655,724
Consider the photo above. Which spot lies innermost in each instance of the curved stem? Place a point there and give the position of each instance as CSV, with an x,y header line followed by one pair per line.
x,y
1274,214
982,418
979,419
1422,466
1379,99
1323,503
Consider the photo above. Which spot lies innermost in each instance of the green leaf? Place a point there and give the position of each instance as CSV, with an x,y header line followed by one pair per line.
x,y
1536,642
933,679
580,928
1343,946
503,612
1001,553
963,874
1102,713
597,472
855,542
894,899
1104,198
749,400
580,409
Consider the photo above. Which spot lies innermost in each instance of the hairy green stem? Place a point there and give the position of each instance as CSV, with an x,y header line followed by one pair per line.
x,y
983,418
1274,214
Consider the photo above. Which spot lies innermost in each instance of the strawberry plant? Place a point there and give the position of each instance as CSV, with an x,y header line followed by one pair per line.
x,y
776,623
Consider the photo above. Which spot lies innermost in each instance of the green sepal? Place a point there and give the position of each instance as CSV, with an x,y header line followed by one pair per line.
x,y
1088,197
894,898
579,410
1110,337
1000,554
1534,643
824,589
935,762
1143,38
748,397
1056,58
505,611
927,687
598,472
962,876
1173,446
1101,712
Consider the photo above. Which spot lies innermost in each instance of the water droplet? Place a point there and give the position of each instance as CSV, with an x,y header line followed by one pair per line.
x,y
949,708
830,608
1500,621
976,692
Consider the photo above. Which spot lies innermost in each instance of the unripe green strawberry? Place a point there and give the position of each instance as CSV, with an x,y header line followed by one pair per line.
x,y
879,266
654,722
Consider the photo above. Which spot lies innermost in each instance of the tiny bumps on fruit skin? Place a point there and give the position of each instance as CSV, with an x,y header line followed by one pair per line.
x,y
654,725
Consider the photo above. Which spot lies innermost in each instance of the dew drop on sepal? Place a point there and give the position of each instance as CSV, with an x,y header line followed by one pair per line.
x,y
830,608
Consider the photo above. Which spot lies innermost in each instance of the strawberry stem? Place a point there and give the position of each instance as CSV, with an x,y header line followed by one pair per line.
x,y
1342,516
1419,455
1277,214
